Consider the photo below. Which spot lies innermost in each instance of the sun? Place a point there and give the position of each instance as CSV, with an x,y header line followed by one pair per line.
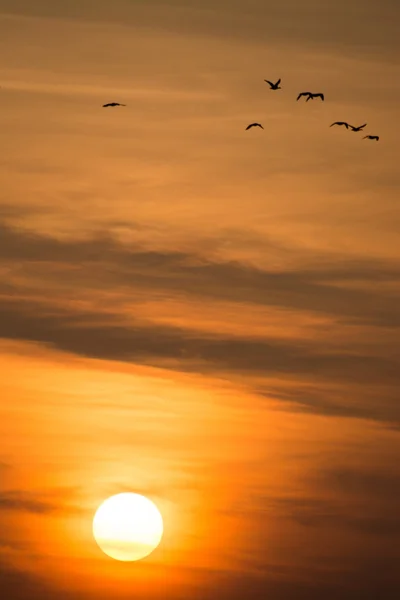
x,y
128,527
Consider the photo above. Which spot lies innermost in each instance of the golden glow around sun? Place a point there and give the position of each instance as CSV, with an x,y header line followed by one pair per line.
x,y
128,527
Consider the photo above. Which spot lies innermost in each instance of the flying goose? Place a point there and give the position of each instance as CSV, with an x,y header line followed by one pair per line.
x,y
371,137
304,94
254,125
318,95
340,123
360,128
311,96
113,104
273,86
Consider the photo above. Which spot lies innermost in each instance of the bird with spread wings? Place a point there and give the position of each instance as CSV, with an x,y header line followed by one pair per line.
x,y
273,86
340,123
254,125
311,96
359,128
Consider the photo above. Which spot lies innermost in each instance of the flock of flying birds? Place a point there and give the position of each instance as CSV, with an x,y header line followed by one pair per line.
x,y
308,95
311,96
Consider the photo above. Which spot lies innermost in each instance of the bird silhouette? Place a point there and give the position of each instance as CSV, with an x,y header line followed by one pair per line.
x,y
360,128
341,123
371,137
311,96
273,86
254,125
304,94
113,104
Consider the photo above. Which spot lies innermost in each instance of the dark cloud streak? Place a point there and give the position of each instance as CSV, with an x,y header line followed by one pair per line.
x,y
101,263
365,27
318,288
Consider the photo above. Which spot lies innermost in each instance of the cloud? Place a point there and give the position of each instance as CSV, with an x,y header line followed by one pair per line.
x,y
20,585
334,401
322,514
377,485
19,501
29,502
81,333
361,578
365,28
319,288
361,499
57,272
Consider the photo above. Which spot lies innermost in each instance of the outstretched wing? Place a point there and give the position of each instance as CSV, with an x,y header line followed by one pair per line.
x,y
319,96
254,125
303,94
362,126
278,82
270,82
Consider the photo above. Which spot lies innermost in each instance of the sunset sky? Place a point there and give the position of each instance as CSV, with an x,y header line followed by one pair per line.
x,y
194,312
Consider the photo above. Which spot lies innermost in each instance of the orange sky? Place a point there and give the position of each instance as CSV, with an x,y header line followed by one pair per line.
x,y
202,314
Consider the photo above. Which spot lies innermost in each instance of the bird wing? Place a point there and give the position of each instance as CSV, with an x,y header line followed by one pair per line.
x,y
304,94
319,96
362,126
278,82
270,82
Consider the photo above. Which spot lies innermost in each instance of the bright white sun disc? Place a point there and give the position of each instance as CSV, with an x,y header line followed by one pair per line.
x,y
128,526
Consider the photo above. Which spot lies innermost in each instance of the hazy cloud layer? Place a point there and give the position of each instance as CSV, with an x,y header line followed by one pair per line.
x,y
367,27
18,501
117,335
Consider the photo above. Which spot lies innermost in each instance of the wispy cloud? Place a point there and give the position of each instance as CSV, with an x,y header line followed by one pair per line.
x,y
33,502
319,288
229,19
115,334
